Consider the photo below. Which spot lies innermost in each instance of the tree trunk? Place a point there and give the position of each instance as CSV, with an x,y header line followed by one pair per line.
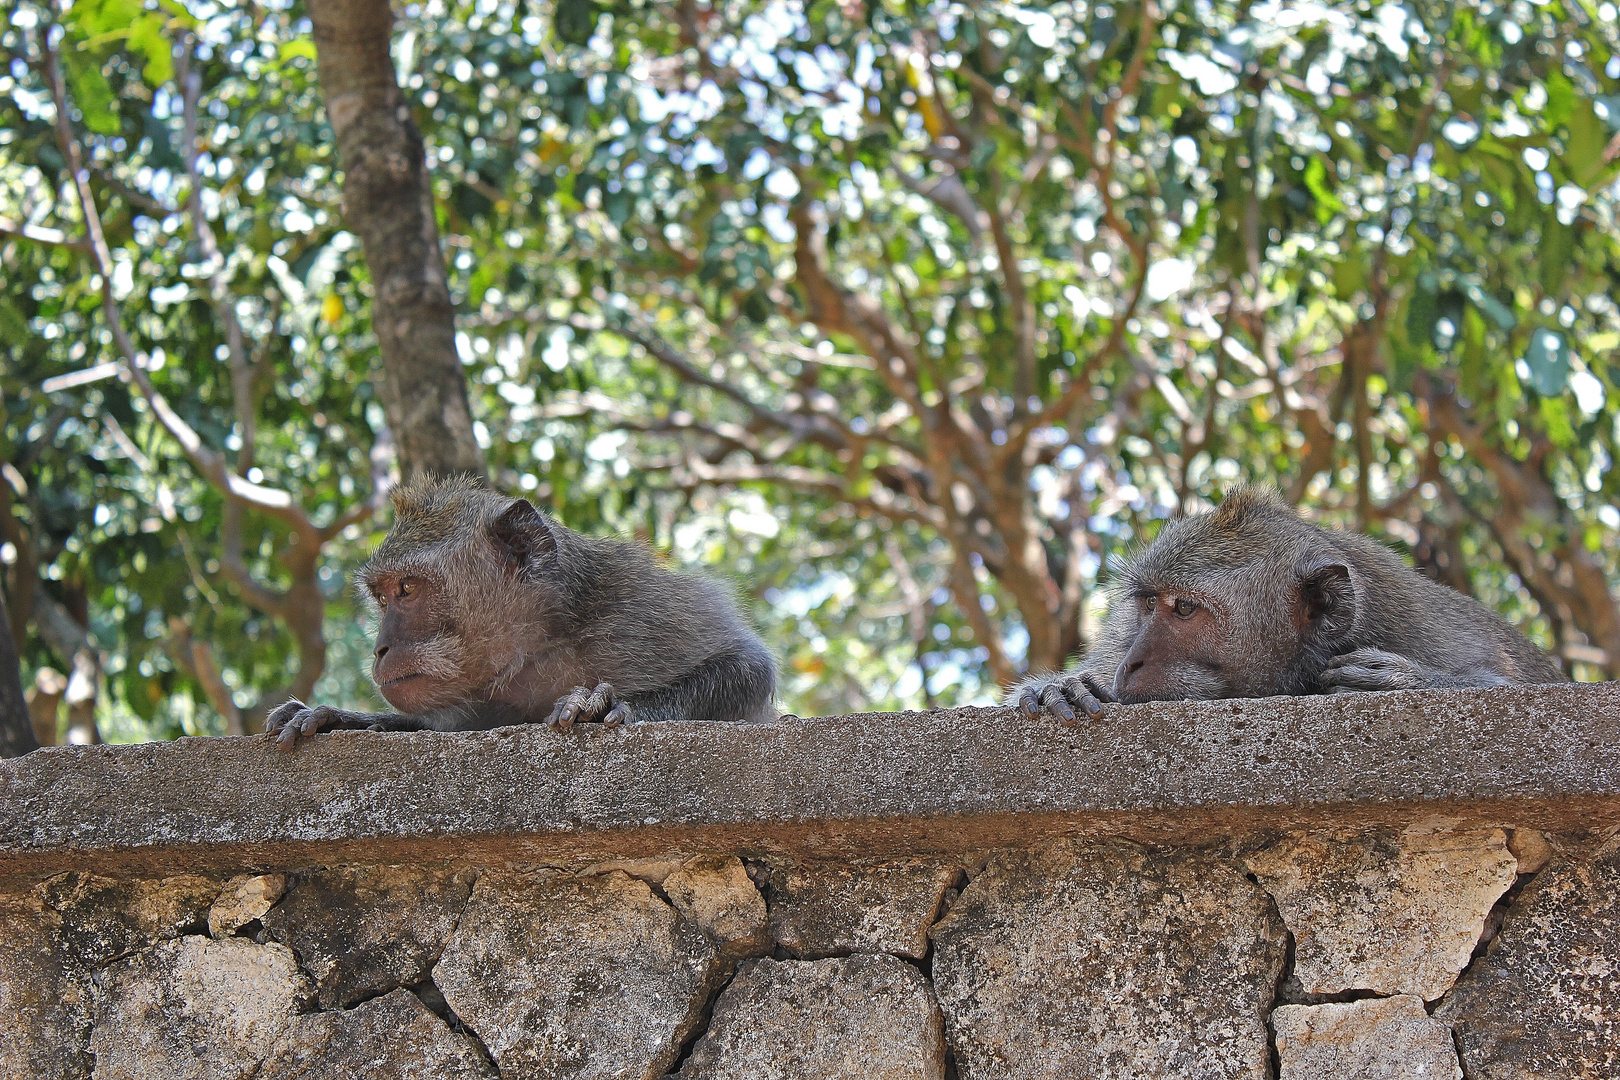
x,y
16,723
388,201
45,703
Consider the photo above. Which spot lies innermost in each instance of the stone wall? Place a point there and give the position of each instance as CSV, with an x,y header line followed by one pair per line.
x,y
1379,886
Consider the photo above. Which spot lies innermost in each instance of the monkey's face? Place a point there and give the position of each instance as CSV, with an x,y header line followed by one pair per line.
x,y
416,661
1178,651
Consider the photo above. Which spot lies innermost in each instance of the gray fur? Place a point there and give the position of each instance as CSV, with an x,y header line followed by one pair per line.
x,y
1247,562
580,629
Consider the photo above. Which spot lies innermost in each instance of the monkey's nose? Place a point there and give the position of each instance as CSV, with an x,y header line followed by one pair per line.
x,y
380,651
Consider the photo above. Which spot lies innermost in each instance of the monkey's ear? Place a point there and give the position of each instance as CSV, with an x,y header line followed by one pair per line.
x,y
522,535
1327,599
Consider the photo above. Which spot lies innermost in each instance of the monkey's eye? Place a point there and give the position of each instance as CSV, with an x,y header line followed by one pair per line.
x,y
1185,607
407,588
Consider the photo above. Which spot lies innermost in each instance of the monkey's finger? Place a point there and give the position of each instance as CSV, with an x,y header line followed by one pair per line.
x,y
1077,691
598,704
292,729
562,716
1052,697
1354,677
619,714
1086,703
281,714
1029,703
1099,691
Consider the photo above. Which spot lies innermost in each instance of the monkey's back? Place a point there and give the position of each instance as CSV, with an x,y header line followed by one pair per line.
x,y
1410,614
643,622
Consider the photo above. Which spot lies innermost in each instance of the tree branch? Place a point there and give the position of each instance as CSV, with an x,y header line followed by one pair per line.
x,y
39,234
208,462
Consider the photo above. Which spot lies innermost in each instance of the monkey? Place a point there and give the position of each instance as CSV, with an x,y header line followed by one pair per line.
x,y
489,614
1249,600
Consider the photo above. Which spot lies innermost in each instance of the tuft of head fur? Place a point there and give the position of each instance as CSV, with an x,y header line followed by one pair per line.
x,y
1251,527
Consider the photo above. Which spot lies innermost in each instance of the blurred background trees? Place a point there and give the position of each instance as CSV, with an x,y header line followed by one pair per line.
x,y
910,317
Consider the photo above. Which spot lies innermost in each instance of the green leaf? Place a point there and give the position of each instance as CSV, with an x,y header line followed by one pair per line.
x,y
1492,308
575,21
13,327
146,37
103,18
291,50
1583,153
142,32
1349,277
1557,245
91,92
1561,100
1548,360
1555,417
1327,203
1423,311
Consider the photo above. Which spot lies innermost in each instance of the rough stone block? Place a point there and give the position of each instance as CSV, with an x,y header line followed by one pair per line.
x,y
103,918
1108,960
587,978
861,1017
47,1031
363,930
244,899
393,1037
1543,1003
829,909
715,892
1377,1039
1395,913
196,1009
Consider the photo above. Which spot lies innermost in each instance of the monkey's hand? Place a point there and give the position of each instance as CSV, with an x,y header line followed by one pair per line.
x,y
1372,669
1061,695
584,706
294,720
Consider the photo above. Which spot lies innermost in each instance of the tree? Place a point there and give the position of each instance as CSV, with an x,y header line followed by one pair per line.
x,y
1028,278
387,201
910,317
16,725
182,449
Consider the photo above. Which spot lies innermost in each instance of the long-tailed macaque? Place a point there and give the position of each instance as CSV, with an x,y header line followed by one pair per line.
x,y
490,613
1250,601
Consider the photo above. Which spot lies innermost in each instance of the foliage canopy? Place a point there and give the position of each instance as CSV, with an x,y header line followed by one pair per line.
x,y
911,316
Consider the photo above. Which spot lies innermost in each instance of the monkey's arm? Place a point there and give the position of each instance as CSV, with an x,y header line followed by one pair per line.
x,y
732,685
1378,669
293,720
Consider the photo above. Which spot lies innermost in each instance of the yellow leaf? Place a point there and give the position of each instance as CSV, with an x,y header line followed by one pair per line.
x,y
332,308
552,148
931,118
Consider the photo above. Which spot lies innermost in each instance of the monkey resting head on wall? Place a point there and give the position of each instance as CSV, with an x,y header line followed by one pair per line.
x,y
490,613
1250,601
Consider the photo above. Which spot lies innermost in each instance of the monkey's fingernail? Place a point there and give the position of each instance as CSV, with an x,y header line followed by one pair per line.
x,y
1063,710
1093,708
